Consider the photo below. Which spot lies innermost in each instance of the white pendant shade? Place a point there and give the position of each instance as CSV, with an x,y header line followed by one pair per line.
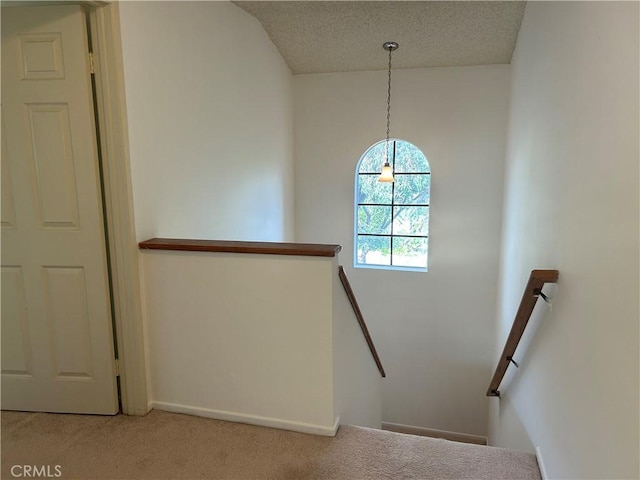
x,y
387,173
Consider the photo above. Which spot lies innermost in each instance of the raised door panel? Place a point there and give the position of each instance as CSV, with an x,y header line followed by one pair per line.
x,y
16,351
41,55
67,313
54,178
8,215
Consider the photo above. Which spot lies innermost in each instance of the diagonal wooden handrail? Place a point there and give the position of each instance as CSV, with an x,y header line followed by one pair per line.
x,y
363,326
532,291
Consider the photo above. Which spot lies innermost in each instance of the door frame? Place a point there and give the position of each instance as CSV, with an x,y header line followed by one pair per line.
x,y
118,193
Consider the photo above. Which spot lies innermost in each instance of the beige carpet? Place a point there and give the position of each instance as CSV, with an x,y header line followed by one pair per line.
x,y
172,446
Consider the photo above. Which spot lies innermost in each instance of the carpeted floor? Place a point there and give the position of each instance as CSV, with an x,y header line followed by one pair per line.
x,y
166,445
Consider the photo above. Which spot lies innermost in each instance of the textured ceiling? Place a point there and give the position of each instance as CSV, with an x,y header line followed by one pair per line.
x,y
342,36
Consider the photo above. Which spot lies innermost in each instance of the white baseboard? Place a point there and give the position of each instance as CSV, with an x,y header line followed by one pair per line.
x,y
430,432
541,467
327,431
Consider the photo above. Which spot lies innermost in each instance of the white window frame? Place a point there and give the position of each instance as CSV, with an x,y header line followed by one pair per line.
x,y
356,204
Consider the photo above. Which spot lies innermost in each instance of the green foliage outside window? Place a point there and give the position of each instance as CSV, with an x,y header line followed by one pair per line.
x,y
392,219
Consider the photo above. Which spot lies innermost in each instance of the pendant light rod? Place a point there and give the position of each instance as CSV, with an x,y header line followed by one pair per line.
x,y
387,170
390,47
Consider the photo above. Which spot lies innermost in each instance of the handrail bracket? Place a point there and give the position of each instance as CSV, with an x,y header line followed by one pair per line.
x,y
510,359
539,293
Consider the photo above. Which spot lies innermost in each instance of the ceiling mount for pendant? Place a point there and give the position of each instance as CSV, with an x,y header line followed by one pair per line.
x,y
390,46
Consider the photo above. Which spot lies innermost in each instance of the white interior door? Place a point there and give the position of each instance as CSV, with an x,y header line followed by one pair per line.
x,y
57,346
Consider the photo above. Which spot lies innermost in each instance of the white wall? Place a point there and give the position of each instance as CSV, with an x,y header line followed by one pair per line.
x,y
433,330
242,337
572,204
209,103
263,339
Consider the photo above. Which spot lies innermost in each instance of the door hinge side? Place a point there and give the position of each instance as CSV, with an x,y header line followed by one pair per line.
x,y
92,63
117,367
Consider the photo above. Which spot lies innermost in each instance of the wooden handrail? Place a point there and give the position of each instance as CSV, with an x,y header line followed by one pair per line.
x,y
363,326
269,248
532,291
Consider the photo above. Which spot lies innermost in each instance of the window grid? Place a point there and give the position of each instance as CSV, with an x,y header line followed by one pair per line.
x,y
393,196
393,205
391,236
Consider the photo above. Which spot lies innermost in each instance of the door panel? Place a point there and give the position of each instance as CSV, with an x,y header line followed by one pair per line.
x,y
57,345
41,55
8,216
49,137
16,353
68,321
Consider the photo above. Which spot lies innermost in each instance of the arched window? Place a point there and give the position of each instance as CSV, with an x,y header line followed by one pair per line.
x,y
391,220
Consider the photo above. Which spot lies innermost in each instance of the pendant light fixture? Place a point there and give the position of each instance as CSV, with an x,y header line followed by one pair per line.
x,y
387,169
